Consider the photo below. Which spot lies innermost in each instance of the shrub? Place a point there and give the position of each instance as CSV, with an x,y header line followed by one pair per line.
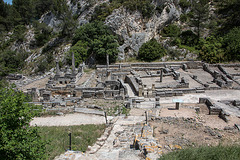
x,y
42,33
185,3
211,51
184,18
171,31
99,41
151,50
17,138
18,33
189,38
80,50
232,44
11,61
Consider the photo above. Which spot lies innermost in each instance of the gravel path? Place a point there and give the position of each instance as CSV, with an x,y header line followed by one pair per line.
x,y
68,120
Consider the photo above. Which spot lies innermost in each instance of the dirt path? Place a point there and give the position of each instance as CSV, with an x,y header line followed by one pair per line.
x,y
36,84
68,120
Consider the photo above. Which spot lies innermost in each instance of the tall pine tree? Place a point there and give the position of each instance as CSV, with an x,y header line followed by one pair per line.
x,y
200,15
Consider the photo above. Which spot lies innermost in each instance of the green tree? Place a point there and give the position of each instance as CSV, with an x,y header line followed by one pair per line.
x,y
80,50
41,7
151,50
100,41
104,45
171,31
211,50
229,13
25,9
11,61
189,38
3,15
185,3
200,15
68,25
17,139
42,33
91,31
232,44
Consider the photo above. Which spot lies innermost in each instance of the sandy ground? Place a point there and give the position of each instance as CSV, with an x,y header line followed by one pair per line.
x,y
68,120
36,84
182,112
213,94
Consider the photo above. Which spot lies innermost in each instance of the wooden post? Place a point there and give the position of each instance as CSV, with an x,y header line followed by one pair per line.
x,y
107,61
105,114
177,105
70,141
161,75
146,114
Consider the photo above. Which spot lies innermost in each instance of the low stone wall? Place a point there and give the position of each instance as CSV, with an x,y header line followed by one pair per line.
x,y
154,65
213,109
133,83
122,85
178,92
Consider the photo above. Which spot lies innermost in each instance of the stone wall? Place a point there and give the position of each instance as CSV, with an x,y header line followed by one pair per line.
x,y
133,83
213,109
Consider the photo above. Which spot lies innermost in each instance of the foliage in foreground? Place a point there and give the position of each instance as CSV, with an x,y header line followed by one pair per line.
x,y
17,139
204,153
82,137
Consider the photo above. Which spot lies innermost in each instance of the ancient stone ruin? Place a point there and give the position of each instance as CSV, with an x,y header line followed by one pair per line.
x,y
162,93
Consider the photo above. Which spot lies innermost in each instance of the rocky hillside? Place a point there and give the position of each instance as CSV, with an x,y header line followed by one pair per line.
x,y
132,28
49,31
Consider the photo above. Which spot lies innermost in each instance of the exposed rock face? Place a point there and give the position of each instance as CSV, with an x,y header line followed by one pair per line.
x,y
51,20
26,45
133,29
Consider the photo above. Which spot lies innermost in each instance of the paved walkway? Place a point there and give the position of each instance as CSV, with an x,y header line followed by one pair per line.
x,y
69,120
114,143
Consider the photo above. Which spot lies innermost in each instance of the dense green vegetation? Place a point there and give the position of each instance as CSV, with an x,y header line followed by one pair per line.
x,y
11,61
82,137
151,51
203,153
171,31
212,36
17,139
94,40
20,141
14,20
221,44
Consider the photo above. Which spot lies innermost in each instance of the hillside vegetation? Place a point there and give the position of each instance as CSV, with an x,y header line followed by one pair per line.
x,y
208,29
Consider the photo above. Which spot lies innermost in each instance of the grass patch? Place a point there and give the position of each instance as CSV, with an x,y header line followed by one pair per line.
x,y
87,70
82,137
204,153
118,110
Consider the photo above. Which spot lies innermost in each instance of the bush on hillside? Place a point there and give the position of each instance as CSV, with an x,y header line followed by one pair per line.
x,y
171,31
151,51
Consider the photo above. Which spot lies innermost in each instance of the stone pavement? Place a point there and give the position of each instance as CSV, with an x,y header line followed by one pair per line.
x,y
126,138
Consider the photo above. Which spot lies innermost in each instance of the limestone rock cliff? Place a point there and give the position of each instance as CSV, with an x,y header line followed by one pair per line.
x,y
131,27
135,30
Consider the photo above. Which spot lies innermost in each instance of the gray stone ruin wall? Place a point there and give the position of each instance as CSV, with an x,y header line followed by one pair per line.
x,y
220,79
230,76
213,108
133,83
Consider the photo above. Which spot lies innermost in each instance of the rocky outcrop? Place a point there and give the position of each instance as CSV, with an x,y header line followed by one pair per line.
x,y
131,27
24,46
135,30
